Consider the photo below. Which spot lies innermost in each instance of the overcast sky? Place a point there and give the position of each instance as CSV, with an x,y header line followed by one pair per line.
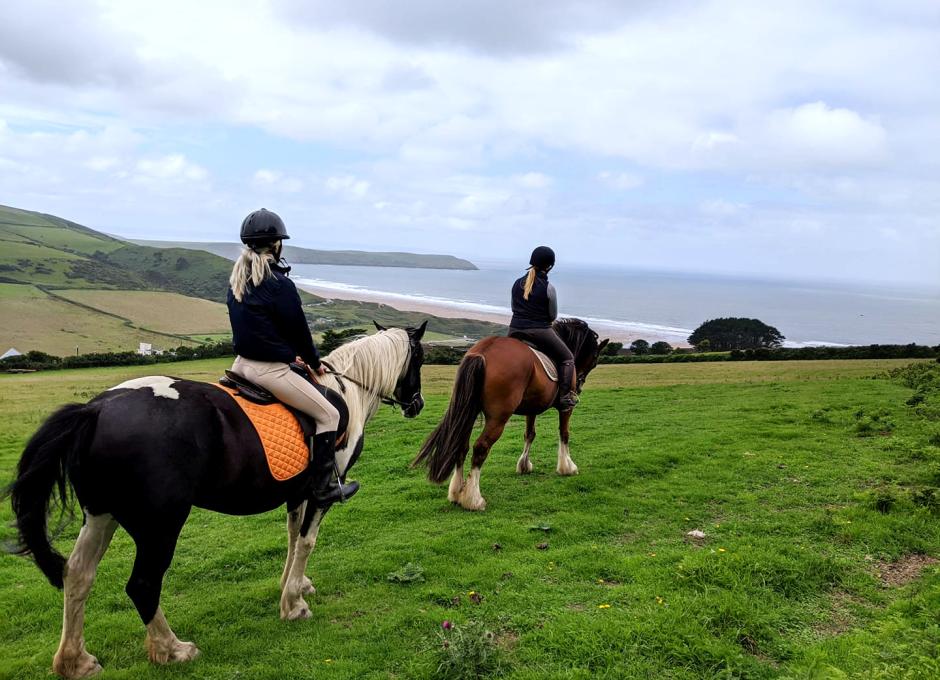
x,y
795,139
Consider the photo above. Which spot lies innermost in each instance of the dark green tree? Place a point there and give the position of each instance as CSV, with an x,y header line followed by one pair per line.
x,y
660,347
640,347
736,333
333,339
612,349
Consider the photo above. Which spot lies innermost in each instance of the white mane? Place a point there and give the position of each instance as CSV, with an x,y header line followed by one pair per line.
x,y
377,361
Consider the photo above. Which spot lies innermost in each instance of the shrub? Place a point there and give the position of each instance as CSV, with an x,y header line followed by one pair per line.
x,y
660,347
467,651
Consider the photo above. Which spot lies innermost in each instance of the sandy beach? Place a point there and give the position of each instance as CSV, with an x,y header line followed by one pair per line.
x,y
460,311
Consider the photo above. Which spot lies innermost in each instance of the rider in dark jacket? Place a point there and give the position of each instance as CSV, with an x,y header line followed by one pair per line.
x,y
534,308
269,332
269,323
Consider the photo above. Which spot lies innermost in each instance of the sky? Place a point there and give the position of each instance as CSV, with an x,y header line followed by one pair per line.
x,y
787,140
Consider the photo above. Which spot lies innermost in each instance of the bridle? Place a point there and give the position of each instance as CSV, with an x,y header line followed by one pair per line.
x,y
385,399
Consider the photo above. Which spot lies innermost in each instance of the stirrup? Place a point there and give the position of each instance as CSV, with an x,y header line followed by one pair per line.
x,y
569,401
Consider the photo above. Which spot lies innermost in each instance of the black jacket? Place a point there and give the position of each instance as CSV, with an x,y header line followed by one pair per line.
x,y
539,310
269,323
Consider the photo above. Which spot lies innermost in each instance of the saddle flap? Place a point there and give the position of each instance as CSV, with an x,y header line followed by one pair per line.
x,y
258,395
247,389
550,369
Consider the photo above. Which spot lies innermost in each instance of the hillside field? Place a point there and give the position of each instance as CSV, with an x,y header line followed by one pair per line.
x,y
33,319
165,290
163,312
818,559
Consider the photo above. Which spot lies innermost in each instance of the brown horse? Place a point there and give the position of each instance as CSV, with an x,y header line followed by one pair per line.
x,y
501,376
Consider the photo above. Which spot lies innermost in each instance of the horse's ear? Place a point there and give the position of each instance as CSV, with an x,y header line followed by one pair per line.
x,y
600,347
378,326
418,333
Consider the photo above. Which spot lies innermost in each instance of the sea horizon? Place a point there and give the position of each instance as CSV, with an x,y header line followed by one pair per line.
x,y
654,305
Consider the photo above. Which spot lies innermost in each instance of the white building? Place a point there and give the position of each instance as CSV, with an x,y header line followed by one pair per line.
x,y
12,352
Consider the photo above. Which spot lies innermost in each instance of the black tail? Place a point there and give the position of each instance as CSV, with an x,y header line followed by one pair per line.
x,y
45,468
447,446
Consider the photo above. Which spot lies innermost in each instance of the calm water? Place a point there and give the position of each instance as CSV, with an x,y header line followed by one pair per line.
x,y
669,306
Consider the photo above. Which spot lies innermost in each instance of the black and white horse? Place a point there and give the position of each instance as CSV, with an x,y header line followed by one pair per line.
x,y
143,453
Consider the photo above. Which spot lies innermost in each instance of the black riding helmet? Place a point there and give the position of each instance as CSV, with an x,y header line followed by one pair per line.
x,y
263,226
542,258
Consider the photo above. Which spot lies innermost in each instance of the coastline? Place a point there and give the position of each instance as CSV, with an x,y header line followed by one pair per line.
x,y
617,332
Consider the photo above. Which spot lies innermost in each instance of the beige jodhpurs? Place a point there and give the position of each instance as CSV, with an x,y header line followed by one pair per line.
x,y
283,383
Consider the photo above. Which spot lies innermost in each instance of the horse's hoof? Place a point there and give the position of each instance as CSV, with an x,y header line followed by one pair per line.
x,y
298,613
83,666
475,506
174,652
307,587
524,467
568,470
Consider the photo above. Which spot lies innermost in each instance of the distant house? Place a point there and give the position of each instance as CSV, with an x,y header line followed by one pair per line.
x,y
147,350
12,352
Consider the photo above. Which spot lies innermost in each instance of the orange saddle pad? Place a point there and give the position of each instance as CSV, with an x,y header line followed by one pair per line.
x,y
280,435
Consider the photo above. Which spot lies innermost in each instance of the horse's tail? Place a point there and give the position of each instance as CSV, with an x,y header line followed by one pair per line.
x,y
45,470
446,447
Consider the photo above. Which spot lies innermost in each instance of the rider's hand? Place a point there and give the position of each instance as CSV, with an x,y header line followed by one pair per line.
x,y
320,370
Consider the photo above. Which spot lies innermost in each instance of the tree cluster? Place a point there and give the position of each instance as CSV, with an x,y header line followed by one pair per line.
x,y
730,333
332,339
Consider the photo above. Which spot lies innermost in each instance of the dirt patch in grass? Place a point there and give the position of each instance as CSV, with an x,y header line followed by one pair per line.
x,y
905,570
841,618
507,640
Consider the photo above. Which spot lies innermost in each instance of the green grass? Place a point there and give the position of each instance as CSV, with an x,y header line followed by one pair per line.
x,y
42,320
163,312
764,459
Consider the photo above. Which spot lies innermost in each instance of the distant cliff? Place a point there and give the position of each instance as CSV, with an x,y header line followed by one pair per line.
x,y
297,255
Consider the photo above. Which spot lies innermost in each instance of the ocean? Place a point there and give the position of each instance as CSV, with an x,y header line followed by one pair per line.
x,y
661,306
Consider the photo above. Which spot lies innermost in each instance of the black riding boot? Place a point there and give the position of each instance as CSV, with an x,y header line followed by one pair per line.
x,y
567,396
327,489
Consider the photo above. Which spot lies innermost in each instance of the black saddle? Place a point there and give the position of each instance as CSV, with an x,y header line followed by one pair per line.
x,y
247,389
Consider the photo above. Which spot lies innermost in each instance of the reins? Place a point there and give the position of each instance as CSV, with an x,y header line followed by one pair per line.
x,y
331,370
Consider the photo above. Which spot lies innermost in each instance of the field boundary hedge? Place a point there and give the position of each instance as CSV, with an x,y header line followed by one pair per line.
x,y
911,351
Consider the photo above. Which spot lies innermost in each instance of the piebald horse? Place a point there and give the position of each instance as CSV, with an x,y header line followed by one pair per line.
x,y
143,453
500,377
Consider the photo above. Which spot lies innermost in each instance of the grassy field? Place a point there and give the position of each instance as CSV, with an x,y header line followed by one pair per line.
x,y
817,560
32,319
164,312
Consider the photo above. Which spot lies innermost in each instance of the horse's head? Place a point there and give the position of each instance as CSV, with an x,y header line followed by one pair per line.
x,y
583,343
408,388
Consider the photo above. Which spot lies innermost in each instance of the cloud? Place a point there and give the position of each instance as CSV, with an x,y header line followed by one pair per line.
x,y
621,181
272,179
816,133
420,118
64,42
347,186
488,26
171,167
533,180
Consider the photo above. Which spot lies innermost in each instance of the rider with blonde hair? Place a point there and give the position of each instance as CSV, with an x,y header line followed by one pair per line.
x,y
269,331
534,308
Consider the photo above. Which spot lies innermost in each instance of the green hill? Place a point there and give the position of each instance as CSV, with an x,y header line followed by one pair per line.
x,y
297,255
43,255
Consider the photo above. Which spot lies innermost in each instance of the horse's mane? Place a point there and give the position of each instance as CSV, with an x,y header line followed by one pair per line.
x,y
377,361
577,335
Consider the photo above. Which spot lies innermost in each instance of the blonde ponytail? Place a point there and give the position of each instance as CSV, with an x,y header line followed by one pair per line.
x,y
529,283
251,266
